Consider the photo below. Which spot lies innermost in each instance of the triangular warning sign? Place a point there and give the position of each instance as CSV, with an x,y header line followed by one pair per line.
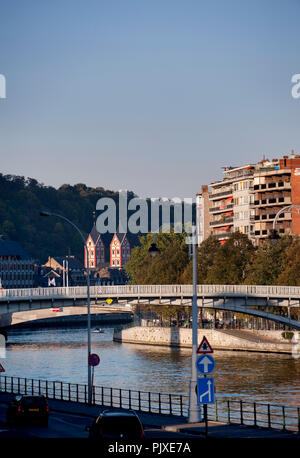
x,y
2,368
204,347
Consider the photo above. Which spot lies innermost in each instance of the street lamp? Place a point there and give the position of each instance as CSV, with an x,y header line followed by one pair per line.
x,y
47,213
274,236
194,412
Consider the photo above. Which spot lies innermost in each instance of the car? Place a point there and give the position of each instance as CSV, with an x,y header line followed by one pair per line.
x,y
116,424
25,408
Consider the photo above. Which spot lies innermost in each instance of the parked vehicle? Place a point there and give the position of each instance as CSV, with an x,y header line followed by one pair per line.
x,y
25,408
116,424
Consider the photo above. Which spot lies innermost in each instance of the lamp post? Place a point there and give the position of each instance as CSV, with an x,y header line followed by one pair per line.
x,y
274,236
46,213
194,411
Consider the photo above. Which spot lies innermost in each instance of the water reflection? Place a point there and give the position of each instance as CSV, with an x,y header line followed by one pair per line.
x,y
61,354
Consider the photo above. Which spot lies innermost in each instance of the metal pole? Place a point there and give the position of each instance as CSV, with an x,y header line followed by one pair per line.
x,y
67,273
194,411
88,297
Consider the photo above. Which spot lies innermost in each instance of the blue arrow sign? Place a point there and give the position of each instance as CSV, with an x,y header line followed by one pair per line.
x,y
205,364
206,390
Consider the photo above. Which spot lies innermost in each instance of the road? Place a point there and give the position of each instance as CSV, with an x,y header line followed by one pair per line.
x,y
69,426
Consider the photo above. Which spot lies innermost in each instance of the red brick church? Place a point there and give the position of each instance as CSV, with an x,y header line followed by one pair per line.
x,y
119,250
96,249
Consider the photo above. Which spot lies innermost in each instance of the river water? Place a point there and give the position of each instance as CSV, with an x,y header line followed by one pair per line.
x,y
61,354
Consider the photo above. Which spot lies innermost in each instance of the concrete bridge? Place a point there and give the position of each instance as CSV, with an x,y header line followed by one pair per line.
x,y
270,302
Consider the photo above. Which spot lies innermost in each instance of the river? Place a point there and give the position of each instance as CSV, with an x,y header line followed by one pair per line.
x,y
61,354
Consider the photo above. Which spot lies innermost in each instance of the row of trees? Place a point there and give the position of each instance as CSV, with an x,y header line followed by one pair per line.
x,y
235,262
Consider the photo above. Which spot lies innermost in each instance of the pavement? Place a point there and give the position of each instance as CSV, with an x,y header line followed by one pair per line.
x,y
68,419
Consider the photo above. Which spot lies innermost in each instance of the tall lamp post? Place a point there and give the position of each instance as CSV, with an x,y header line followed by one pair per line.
x,y
47,213
274,236
194,411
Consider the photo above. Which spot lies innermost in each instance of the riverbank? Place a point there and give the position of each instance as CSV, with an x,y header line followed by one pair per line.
x,y
236,340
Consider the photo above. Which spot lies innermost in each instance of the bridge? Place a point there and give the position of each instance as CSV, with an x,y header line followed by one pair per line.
x,y
269,302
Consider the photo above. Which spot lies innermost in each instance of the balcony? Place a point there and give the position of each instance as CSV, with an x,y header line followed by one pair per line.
x,y
273,201
222,222
272,186
271,216
223,236
218,195
221,208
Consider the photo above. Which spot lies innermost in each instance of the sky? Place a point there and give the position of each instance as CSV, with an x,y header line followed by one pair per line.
x,y
153,96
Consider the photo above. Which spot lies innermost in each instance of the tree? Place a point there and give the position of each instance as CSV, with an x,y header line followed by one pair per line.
x,y
206,254
268,263
166,268
290,276
230,261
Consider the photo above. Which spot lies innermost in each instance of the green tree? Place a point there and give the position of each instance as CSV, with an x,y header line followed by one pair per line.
x,y
290,276
206,254
268,263
230,261
166,268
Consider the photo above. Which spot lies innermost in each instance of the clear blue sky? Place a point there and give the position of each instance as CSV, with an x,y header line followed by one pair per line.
x,y
154,96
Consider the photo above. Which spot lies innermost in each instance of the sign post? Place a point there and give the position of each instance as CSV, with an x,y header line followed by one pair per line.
x,y
93,361
205,385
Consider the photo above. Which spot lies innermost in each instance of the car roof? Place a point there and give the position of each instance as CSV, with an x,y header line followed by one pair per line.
x,y
26,396
118,413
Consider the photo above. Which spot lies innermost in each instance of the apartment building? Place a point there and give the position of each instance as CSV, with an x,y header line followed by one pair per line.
x,y
17,269
248,199
276,186
231,203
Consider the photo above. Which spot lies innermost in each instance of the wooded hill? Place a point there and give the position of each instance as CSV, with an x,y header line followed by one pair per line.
x,y
22,199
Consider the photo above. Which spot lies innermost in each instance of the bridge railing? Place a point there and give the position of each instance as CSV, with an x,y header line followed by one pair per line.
x,y
153,290
223,410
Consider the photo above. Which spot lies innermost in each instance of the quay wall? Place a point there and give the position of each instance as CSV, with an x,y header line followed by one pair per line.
x,y
182,338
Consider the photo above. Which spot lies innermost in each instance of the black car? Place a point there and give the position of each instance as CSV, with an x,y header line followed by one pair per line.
x,y
116,424
26,408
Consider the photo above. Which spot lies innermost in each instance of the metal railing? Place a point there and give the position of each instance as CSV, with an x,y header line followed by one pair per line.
x,y
223,410
153,290
255,414
142,401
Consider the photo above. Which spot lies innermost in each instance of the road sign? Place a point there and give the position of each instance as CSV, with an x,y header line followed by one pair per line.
x,y
204,347
205,364
206,390
2,368
94,359
109,301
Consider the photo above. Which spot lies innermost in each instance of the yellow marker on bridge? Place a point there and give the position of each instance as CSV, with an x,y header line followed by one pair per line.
x,y
109,301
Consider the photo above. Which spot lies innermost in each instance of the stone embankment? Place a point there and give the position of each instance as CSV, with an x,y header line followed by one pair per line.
x,y
219,339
